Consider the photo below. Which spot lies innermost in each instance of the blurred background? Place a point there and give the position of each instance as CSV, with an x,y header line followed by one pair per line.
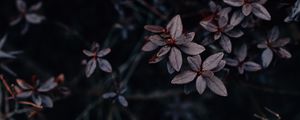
x,y
55,46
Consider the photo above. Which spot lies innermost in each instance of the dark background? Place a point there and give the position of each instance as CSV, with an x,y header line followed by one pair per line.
x,y
55,46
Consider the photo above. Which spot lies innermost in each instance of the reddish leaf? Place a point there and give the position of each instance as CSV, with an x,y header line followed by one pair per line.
x,y
252,66
24,85
154,28
184,77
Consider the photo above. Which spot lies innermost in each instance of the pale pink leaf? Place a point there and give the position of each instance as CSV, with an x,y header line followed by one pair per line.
x,y
260,11
200,84
251,66
154,28
163,51
212,61
90,67
267,57
216,86
195,62
175,58
236,18
103,52
184,77
226,43
149,46
104,65
209,26
283,53
192,48
235,3
247,9
175,27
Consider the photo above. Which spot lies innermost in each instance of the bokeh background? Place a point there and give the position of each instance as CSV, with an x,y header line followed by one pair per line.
x,y
55,46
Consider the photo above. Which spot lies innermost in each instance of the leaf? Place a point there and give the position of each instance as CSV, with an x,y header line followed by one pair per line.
x,y
236,18
3,40
37,99
157,40
222,21
149,46
122,100
21,5
48,85
217,35
251,66
109,95
247,9
212,61
184,77
235,33
34,18
195,62
224,13
273,34
47,101
36,6
24,85
267,57
163,51
15,21
90,67
104,65
241,53
200,84
216,85
103,52
156,59
235,3
192,48
283,53
260,11
241,69
209,26
220,66
88,53
185,38
281,42
154,28
262,45
225,43
231,62
175,58
6,55
24,94
175,27
171,70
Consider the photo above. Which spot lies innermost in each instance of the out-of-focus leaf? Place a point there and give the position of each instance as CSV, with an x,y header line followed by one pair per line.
x,y
149,46
103,52
236,18
267,57
122,100
88,53
273,34
24,94
47,101
90,67
34,18
241,53
36,6
251,66
280,42
260,11
24,85
235,33
37,99
226,43
21,5
231,62
104,65
154,28
283,53
109,95
48,85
